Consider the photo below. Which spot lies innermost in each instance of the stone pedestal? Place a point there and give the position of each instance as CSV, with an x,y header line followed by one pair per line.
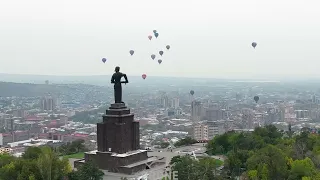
x,y
118,132
118,140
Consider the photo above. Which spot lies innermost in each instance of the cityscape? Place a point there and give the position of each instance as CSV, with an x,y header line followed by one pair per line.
x,y
159,90
167,115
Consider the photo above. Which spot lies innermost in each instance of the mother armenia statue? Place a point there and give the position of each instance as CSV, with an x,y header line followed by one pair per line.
x,y
116,80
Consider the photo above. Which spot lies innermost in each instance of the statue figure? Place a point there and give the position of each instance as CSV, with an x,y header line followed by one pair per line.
x,y
116,80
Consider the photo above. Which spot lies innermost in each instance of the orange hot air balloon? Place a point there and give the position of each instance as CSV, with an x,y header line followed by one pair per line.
x,y
144,76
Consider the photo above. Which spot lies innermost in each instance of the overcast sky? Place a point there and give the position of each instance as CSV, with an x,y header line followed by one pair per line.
x,y
207,37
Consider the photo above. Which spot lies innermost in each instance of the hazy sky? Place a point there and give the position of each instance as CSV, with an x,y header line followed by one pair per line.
x,y
207,37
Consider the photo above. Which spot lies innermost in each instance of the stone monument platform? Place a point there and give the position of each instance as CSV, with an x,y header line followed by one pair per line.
x,y
118,139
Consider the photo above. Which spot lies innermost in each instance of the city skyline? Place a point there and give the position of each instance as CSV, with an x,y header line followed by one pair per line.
x,y
208,39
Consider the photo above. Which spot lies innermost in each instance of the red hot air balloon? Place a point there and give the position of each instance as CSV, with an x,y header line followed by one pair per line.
x,y
150,37
144,76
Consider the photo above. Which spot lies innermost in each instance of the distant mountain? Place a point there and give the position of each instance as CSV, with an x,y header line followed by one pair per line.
x,y
102,80
26,89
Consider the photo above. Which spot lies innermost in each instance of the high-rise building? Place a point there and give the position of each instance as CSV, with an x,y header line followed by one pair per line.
x,y
196,111
271,116
164,101
248,118
302,115
238,96
214,114
175,103
48,104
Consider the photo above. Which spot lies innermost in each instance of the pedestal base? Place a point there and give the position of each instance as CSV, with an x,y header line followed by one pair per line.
x,y
118,106
126,163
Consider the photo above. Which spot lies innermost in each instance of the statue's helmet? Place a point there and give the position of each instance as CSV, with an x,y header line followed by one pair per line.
x,y
117,69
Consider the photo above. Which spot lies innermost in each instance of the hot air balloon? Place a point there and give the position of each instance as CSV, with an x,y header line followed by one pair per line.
x,y
256,98
154,31
156,34
104,60
168,47
131,52
192,92
254,44
144,76
150,37
159,61
153,56
161,53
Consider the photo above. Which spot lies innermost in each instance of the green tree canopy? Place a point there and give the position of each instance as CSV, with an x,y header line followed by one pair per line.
x,y
87,171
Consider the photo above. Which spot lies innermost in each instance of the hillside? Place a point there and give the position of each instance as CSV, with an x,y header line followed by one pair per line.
x,y
27,89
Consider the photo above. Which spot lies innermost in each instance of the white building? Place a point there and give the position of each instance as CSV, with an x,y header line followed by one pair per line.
x,y
219,127
200,132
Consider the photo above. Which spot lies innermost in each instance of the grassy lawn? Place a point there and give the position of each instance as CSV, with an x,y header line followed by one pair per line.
x,y
219,162
79,155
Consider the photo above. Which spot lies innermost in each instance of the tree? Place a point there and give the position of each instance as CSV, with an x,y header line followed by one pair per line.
x,y
187,168
8,171
220,144
42,166
306,178
302,168
253,174
265,172
273,159
28,169
78,145
186,141
233,163
269,133
6,159
164,144
73,147
31,153
264,154
190,169
31,177
175,159
87,171
208,167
